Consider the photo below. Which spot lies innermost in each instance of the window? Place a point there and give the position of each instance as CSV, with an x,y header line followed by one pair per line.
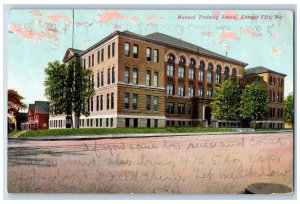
x,y
171,57
97,122
148,123
180,90
108,51
84,63
191,91
113,75
181,72
98,79
200,91
108,76
190,109
106,122
126,75
148,102
209,92
112,101
126,101
209,78
89,62
102,78
135,101
127,122
98,56
156,123
97,104
92,60
233,75
226,73
202,64
170,108
111,122
135,122
102,55
182,60
155,79
200,76
191,74
170,89
135,51
148,78
92,104
93,82
155,103
210,66
100,122
270,80
218,78
148,54
219,68
126,49
113,49
170,70
181,108
135,76
101,102
192,62
107,101
155,55
87,122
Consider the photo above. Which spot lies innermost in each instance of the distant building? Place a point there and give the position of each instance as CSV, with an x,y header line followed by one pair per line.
x,y
38,116
274,83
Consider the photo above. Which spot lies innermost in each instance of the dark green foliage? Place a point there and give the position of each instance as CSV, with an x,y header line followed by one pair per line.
x,y
289,109
226,101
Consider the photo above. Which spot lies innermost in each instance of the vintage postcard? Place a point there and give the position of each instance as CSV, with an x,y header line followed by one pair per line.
x,y
150,101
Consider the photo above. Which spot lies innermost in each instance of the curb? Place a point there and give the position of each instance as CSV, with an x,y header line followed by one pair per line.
x,y
121,136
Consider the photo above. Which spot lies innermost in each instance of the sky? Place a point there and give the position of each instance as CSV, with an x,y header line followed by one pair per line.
x,y
36,37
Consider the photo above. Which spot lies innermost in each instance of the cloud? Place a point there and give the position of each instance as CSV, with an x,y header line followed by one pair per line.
x,y
107,16
275,51
36,13
228,35
31,34
251,32
225,46
58,17
153,16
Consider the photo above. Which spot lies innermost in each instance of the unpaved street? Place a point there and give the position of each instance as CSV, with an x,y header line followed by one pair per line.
x,y
186,164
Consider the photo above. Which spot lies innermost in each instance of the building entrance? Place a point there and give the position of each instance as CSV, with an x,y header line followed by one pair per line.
x,y
207,114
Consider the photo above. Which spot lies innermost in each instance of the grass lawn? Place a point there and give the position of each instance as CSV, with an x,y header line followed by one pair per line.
x,y
13,133
103,131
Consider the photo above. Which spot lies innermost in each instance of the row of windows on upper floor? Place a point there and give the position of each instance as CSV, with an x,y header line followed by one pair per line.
x,y
100,56
273,97
100,77
278,81
180,108
135,52
110,102
191,91
135,102
202,64
272,113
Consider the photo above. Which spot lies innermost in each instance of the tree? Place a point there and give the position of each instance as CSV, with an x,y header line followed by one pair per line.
x,y
254,104
14,104
289,109
68,88
226,101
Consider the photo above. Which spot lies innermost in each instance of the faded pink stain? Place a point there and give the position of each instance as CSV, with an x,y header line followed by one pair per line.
x,y
153,16
151,25
251,32
228,35
273,34
32,34
275,51
231,15
225,46
216,13
86,41
208,33
107,16
36,13
58,17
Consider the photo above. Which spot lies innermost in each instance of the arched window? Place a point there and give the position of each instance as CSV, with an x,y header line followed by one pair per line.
x,y
218,74
233,74
219,68
171,57
210,66
202,64
182,60
192,62
226,73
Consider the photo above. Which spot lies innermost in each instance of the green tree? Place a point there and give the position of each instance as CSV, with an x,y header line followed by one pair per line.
x,y
68,88
226,101
289,110
254,104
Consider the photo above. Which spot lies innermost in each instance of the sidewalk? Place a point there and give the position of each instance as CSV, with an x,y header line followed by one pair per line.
x,y
115,136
